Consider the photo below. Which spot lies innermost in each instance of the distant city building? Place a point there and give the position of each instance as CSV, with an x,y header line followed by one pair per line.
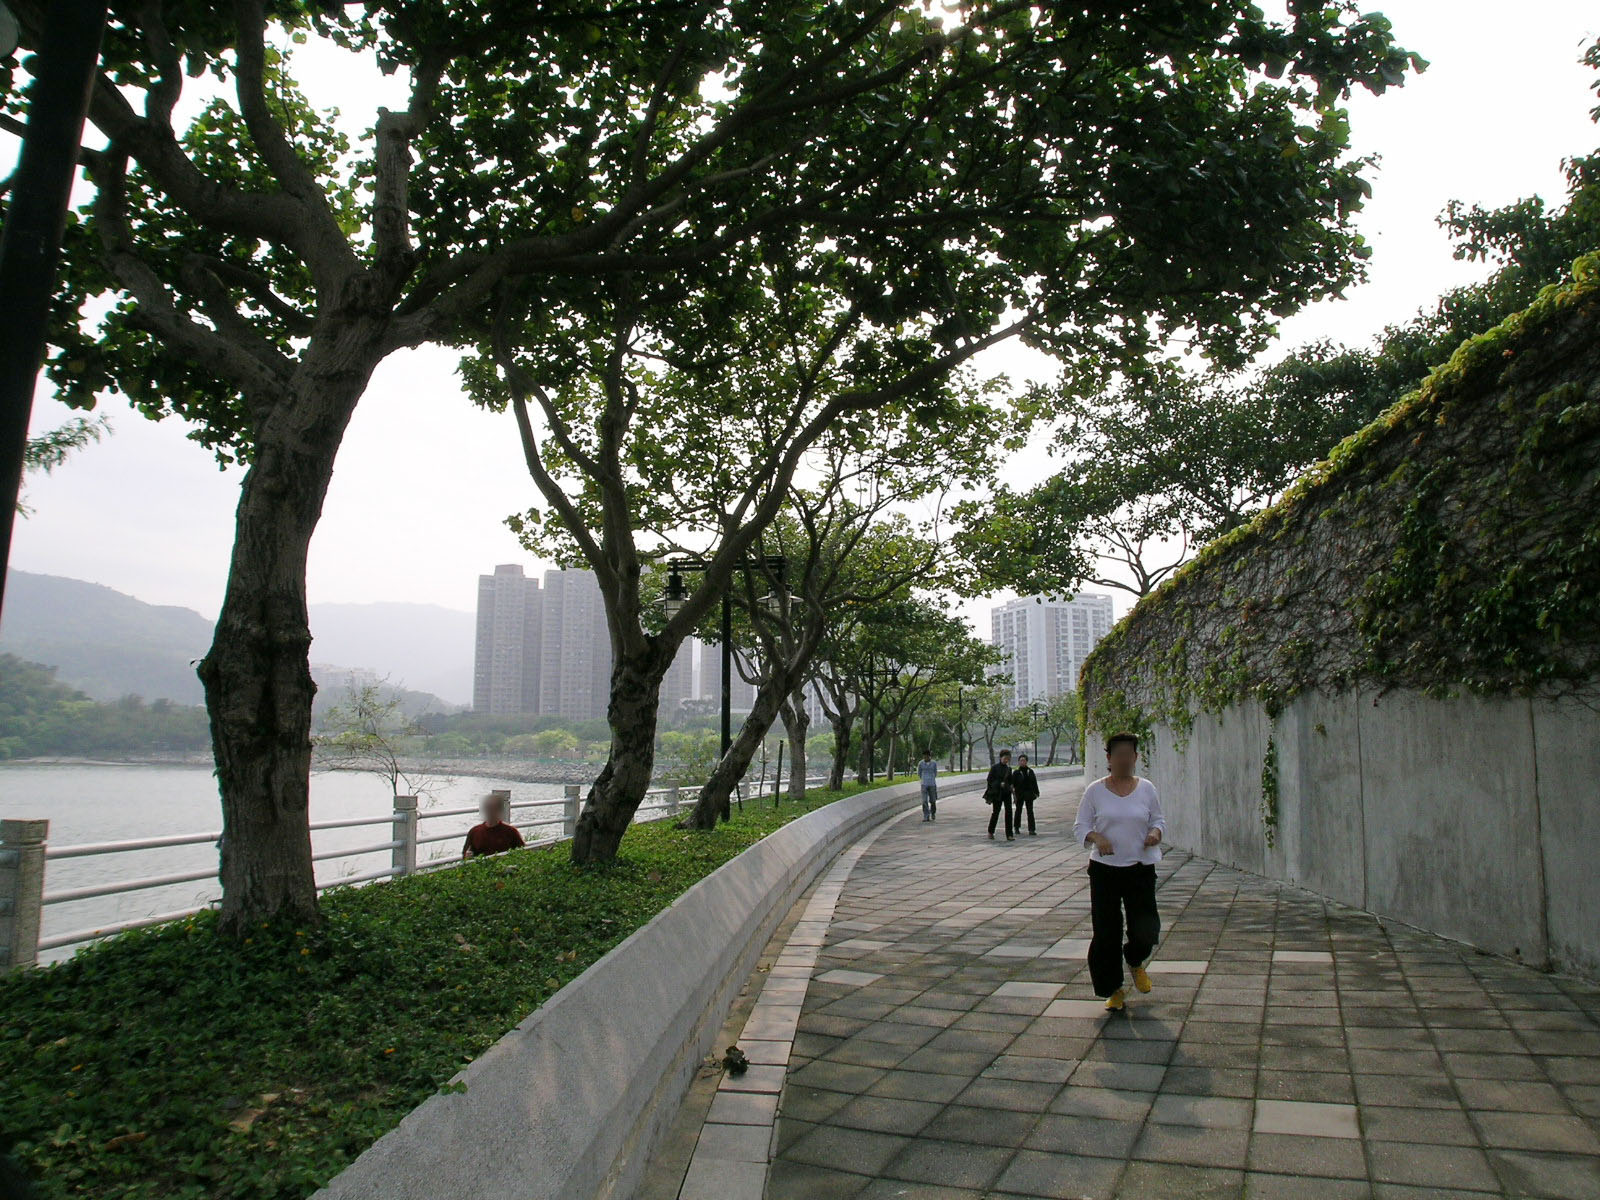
x,y
678,685
742,695
1043,641
506,667
575,658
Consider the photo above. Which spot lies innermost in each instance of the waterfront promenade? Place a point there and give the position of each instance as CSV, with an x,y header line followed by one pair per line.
x,y
923,1028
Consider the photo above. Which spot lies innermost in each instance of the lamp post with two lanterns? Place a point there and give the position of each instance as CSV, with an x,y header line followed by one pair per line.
x,y
676,594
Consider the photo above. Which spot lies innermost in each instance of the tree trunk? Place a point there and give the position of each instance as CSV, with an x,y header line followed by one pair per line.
x,y
257,674
620,787
713,801
841,751
796,723
864,763
1051,761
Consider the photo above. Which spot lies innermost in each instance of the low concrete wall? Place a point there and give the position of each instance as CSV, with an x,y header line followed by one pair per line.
x,y
569,1105
1475,818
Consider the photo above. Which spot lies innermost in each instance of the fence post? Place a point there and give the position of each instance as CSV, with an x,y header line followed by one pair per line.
x,y
21,891
569,810
672,801
404,856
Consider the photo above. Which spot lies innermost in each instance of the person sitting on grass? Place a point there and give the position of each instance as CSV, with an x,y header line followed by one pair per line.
x,y
495,834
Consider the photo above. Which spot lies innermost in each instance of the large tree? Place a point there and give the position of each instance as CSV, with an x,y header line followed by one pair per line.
x,y
1105,176
848,545
1089,185
1170,459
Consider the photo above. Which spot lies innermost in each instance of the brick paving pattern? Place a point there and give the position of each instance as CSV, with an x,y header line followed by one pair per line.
x,y
949,1046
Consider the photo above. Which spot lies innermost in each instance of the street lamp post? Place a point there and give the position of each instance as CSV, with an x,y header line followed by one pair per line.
x,y
676,593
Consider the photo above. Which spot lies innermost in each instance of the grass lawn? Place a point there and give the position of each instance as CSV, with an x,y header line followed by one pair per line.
x,y
168,1062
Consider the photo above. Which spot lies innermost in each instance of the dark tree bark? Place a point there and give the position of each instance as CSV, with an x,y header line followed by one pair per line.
x,y
713,803
796,723
842,725
623,781
256,675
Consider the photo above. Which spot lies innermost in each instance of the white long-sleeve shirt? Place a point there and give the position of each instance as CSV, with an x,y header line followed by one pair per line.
x,y
1126,820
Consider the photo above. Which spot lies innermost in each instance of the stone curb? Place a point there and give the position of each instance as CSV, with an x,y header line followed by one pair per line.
x,y
570,1104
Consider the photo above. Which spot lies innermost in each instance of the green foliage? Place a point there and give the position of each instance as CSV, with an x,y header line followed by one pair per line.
x,y
171,1062
1448,547
39,716
1269,792
1172,459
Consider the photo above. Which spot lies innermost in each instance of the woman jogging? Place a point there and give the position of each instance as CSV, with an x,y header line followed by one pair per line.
x,y
1120,820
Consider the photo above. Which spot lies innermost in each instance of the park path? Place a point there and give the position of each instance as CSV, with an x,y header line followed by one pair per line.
x,y
940,1042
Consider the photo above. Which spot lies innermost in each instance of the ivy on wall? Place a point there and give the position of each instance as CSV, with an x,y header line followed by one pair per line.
x,y
1452,546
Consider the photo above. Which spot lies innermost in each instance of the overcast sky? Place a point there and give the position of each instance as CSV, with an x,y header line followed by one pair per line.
x,y
424,480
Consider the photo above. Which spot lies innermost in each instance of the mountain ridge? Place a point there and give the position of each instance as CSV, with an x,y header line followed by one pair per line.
x,y
109,644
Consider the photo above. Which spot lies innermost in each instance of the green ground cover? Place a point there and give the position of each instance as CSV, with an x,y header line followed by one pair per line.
x,y
168,1062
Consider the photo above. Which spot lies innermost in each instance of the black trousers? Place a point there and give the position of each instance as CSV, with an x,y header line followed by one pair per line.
x,y
1018,804
994,813
1111,891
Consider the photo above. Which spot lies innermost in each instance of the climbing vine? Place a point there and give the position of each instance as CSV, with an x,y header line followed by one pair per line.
x,y
1269,791
1451,546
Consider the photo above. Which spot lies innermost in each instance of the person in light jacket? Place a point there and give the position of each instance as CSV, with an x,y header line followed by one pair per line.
x,y
1120,820
997,791
928,774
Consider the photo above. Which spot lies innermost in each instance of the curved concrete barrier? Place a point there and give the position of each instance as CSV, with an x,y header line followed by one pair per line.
x,y
569,1104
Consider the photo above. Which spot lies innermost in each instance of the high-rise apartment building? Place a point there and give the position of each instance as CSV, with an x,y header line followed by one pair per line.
x,y
742,695
1043,641
575,659
505,675
678,684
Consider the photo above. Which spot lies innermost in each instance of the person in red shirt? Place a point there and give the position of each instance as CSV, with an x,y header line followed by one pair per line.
x,y
494,835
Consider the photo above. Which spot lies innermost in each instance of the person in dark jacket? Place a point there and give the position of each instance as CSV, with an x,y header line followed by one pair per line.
x,y
1024,791
997,791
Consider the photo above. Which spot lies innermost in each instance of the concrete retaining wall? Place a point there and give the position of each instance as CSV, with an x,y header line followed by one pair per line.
x,y
1475,818
569,1105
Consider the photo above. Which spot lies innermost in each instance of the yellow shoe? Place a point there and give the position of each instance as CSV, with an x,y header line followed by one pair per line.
x,y
1114,1001
1141,979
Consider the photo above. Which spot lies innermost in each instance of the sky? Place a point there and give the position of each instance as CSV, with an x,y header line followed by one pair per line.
x,y
424,480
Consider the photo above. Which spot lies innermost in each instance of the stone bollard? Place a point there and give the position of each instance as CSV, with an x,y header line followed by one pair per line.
x,y
672,801
404,856
21,891
569,810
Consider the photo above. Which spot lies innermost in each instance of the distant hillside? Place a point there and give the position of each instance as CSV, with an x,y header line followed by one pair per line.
x,y
111,645
423,646
102,642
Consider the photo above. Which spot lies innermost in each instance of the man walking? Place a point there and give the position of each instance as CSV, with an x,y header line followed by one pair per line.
x,y
1024,791
997,791
928,773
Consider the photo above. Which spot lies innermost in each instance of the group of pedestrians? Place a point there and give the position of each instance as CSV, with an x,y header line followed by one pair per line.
x,y
1009,790
1121,824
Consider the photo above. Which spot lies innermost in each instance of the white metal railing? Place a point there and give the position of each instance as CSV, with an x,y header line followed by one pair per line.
x,y
24,851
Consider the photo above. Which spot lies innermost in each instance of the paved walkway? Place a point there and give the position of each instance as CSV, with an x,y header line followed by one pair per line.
x,y
949,1048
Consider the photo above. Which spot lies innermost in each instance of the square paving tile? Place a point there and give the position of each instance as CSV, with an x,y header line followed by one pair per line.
x,y
1206,1112
1297,1155
717,1179
743,1108
1037,1173
865,1151
849,978
1044,991
739,1143
1307,1119
960,1164
1192,1145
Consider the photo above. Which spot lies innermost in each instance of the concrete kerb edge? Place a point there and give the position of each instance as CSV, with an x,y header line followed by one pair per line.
x,y
576,1095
